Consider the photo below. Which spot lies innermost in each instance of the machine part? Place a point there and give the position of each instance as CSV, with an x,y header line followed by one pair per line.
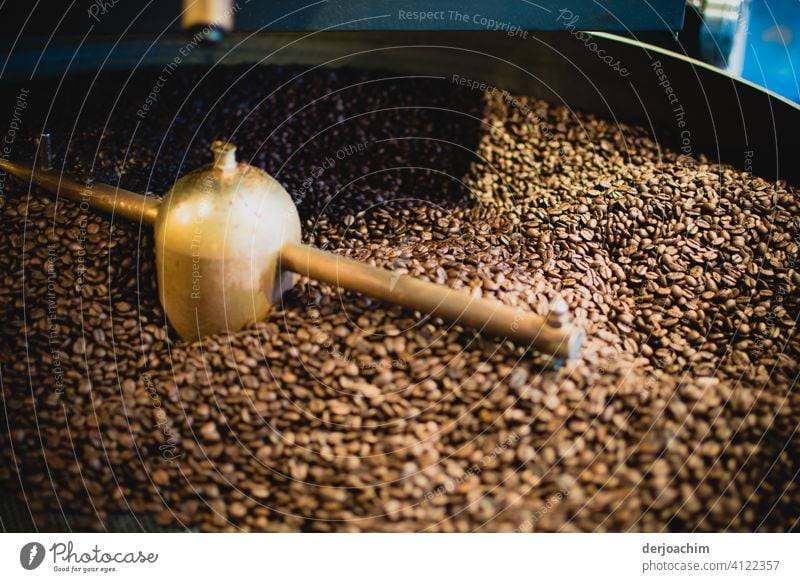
x,y
209,19
102,197
718,114
44,155
115,19
723,32
509,18
486,315
218,235
228,239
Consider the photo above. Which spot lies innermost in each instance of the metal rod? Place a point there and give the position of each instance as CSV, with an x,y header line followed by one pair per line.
x,y
103,197
554,334
551,336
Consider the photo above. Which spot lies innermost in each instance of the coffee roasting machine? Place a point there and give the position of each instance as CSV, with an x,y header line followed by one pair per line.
x,y
538,49
535,48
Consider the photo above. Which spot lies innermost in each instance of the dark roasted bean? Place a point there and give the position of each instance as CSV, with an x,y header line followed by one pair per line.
x,y
343,413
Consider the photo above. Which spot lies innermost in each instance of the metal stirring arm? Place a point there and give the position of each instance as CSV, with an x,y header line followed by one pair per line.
x,y
553,334
103,197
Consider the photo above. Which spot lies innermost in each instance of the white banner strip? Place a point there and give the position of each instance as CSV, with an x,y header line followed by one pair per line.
x,y
399,557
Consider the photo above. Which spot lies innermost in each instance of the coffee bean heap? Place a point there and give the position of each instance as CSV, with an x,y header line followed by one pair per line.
x,y
341,413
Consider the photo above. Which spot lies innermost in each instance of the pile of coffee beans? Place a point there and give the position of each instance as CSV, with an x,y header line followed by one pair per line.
x,y
341,413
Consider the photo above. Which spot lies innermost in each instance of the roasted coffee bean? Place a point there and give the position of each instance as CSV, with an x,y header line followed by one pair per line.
x,y
341,413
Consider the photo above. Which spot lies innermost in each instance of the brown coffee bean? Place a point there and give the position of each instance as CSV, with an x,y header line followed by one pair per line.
x,y
342,413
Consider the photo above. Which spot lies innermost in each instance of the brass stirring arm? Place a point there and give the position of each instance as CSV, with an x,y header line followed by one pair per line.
x,y
553,334
103,197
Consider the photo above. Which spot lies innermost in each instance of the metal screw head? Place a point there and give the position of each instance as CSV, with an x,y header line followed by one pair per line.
x,y
558,306
558,312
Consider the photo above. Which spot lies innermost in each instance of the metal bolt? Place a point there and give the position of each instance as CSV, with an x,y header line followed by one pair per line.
x,y
44,157
224,156
558,312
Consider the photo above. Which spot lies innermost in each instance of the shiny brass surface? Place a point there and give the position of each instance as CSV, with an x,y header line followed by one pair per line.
x,y
103,197
560,338
202,13
218,235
